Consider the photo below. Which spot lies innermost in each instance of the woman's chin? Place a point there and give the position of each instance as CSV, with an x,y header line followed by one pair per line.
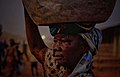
x,y
61,62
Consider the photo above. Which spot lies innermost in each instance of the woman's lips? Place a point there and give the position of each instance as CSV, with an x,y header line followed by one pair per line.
x,y
57,54
58,57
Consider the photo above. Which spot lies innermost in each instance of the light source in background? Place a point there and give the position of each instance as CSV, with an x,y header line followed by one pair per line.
x,y
43,37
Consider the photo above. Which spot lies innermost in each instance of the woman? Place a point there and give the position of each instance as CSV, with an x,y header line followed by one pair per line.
x,y
75,44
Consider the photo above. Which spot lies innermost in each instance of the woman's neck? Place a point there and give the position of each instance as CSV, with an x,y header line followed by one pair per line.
x,y
68,72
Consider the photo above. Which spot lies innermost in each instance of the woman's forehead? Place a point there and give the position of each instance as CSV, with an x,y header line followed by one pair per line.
x,y
60,36
65,36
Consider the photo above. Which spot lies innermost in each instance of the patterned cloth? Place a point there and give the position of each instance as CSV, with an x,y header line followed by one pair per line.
x,y
51,67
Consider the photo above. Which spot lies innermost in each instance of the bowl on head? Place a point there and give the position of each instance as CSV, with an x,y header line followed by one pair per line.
x,y
45,12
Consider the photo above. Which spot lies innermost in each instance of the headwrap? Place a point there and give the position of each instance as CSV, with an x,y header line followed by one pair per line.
x,y
71,28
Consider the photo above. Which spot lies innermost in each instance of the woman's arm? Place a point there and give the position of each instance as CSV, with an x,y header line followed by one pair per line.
x,y
36,44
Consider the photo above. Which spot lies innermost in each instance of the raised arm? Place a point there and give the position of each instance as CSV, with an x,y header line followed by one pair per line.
x,y
36,44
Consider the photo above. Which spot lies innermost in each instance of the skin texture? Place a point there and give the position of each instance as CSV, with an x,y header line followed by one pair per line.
x,y
67,49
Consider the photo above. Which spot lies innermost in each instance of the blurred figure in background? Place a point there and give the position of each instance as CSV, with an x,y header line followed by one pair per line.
x,y
24,49
1,50
18,60
10,56
5,49
34,66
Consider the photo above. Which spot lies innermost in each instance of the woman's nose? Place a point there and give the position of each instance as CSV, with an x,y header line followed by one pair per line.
x,y
57,48
58,45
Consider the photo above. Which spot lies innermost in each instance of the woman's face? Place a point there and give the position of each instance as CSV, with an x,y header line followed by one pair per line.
x,y
68,49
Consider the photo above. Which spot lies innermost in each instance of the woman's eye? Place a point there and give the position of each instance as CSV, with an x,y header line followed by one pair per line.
x,y
55,40
63,40
66,41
